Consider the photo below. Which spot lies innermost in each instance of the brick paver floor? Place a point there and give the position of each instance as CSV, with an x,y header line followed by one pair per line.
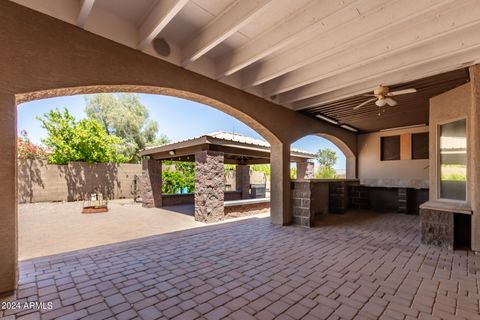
x,y
362,266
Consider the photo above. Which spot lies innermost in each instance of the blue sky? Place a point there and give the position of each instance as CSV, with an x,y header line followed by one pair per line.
x,y
177,118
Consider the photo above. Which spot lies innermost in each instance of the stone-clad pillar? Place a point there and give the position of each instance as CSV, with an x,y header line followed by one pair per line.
x,y
209,186
242,180
8,194
305,170
280,211
151,184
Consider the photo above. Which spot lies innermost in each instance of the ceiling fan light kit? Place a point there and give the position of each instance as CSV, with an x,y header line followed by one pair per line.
x,y
383,96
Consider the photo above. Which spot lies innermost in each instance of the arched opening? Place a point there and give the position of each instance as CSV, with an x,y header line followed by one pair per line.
x,y
234,112
321,184
34,171
333,159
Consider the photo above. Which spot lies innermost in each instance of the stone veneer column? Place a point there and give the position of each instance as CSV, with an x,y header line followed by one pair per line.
x,y
474,127
209,186
305,170
280,212
242,180
8,194
151,184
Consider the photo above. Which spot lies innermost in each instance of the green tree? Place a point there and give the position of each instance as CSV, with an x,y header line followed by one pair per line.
x,y
160,140
177,176
26,149
327,159
125,116
265,168
84,140
293,173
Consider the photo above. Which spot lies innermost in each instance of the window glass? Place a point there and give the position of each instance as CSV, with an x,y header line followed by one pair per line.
x,y
453,160
420,145
390,148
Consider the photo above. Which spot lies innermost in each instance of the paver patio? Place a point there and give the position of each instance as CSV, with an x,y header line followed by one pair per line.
x,y
361,265
43,227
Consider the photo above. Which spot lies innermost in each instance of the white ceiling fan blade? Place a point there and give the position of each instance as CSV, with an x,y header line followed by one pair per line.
x,y
364,103
391,102
404,91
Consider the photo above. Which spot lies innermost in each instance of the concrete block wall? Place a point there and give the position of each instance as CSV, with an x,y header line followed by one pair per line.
x,y
309,200
42,182
189,198
338,197
358,197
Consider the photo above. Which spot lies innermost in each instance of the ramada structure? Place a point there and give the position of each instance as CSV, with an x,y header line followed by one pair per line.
x,y
210,152
287,69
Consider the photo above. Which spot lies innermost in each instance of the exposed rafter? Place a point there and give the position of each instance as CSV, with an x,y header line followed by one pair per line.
x,y
445,64
159,17
363,29
322,15
85,9
234,18
429,29
422,56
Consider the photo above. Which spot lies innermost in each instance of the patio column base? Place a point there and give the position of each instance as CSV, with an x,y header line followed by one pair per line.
x,y
242,180
151,184
8,194
209,186
280,211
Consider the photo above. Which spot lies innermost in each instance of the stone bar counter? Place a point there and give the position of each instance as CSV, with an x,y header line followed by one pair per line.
x,y
313,198
446,224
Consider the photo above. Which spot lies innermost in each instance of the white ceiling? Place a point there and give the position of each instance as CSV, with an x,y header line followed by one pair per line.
x,y
301,53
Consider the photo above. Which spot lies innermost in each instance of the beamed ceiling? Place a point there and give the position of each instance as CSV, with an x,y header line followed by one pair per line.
x,y
307,55
412,108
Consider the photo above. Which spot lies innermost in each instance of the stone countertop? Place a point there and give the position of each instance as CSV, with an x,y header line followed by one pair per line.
x,y
448,206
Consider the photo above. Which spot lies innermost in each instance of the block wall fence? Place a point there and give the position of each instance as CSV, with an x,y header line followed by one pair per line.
x,y
39,181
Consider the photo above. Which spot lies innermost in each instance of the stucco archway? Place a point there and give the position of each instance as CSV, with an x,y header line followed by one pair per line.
x,y
350,156
347,147
187,95
56,58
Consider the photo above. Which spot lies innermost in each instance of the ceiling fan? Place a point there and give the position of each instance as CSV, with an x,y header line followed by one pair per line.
x,y
383,96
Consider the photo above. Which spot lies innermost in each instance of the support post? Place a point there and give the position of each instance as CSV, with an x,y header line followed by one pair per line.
x,y
242,180
8,194
209,186
474,128
305,170
151,185
280,212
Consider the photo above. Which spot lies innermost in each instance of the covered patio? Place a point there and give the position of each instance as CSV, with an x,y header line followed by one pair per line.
x,y
210,152
394,84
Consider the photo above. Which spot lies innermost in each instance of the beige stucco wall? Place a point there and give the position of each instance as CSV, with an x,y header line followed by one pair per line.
x,y
447,107
461,102
396,173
